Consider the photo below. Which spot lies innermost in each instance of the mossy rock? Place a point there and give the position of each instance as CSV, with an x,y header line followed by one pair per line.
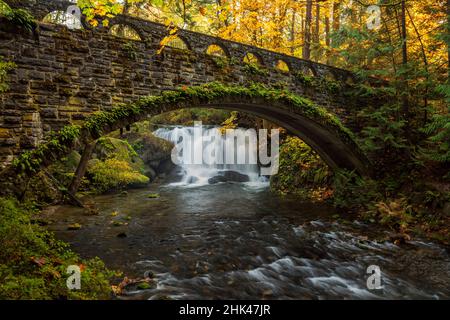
x,y
74,226
144,286
153,195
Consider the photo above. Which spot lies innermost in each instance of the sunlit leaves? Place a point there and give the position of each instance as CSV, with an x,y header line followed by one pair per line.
x,y
98,10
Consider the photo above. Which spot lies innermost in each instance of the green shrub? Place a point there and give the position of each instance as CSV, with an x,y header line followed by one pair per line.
x,y
19,17
301,170
354,192
304,79
33,263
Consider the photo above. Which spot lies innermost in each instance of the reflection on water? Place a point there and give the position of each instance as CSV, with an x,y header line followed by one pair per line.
x,y
232,240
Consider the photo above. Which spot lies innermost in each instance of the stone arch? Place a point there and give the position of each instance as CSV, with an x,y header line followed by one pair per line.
x,y
301,117
253,58
328,75
126,31
218,50
310,71
178,42
282,65
63,18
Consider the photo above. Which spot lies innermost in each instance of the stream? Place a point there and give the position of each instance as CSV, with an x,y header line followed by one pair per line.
x,y
234,239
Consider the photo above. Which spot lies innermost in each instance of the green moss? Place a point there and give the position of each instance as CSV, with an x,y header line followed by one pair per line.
x,y
130,49
33,263
221,62
320,83
153,195
114,174
254,69
58,143
304,79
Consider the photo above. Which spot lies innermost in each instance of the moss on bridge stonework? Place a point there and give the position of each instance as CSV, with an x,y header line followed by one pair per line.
x,y
214,94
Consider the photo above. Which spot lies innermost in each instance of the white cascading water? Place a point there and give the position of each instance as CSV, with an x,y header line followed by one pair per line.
x,y
201,174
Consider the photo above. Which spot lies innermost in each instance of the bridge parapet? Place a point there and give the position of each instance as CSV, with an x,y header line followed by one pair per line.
x,y
152,33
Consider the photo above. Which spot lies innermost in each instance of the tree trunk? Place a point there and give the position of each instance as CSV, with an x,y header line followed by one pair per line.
x,y
293,32
81,169
425,62
405,104
335,15
317,26
448,40
327,38
306,54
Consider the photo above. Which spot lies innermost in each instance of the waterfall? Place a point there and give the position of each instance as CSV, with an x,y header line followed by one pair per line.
x,y
213,170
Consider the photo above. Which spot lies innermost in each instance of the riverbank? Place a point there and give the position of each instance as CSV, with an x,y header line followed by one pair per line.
x,y
34,264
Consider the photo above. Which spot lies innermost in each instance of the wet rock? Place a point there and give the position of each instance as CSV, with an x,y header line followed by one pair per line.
x,y
398,238
153,195
150,172
267,293
236,176
140,285
217,179
229,176
74,226
151,149
144,286
165,166
42,189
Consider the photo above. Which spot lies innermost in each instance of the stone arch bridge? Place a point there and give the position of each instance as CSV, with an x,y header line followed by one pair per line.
x,y
63,76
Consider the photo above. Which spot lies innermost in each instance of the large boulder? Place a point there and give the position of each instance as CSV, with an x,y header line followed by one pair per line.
x,y
150,148
229,176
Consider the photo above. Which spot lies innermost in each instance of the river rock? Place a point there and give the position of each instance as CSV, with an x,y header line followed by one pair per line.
x,y
217,179
236,176
165,166
229,176
150,172
150,148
